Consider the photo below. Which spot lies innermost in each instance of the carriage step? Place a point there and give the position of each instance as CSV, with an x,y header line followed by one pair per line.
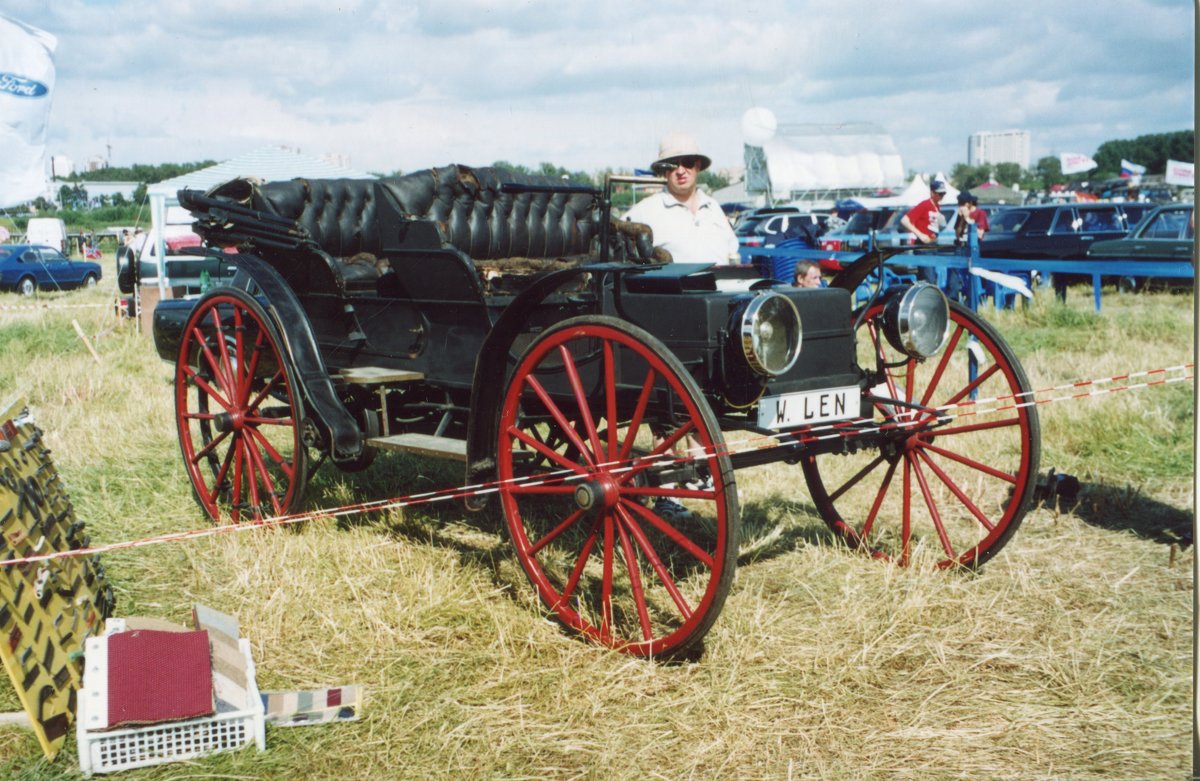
x,y
377,375
423,444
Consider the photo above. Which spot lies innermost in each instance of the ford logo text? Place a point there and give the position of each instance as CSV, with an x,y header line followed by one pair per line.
x,y
21,87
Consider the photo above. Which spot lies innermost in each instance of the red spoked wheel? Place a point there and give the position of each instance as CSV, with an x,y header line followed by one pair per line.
x,y
956,467
614,525
238,412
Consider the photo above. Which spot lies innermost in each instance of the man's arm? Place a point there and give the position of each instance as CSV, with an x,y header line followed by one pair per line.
x,y
907,224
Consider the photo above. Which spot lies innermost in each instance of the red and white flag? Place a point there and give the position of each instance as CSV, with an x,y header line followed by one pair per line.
x,y
26,83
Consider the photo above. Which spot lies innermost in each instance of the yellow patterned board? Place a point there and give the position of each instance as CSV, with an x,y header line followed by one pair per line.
x,y
47,608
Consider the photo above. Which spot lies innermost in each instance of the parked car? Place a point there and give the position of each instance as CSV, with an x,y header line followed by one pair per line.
x,y
1166,233
856,233
25,268
748,224
1056,231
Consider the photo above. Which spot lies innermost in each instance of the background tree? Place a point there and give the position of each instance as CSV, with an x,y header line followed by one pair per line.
x,y
1151,150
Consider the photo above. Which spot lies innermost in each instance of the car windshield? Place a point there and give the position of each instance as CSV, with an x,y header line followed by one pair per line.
x,y
859,222
747,224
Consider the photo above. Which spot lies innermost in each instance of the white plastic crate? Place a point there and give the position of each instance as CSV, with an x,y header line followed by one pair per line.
x,y
121,749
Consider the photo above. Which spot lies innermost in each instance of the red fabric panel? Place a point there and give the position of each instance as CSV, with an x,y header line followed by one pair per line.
x,y
158,676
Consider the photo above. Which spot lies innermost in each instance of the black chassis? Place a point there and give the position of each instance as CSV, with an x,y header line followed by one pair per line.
x,y
464,344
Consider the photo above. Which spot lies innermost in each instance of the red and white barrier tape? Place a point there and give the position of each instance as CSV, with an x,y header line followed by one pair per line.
x,y
840,429
47,307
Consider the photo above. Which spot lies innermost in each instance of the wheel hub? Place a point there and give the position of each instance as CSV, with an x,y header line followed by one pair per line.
x,y
599,493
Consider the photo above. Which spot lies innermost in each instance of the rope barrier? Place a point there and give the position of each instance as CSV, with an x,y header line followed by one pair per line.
x,y
48,307
840,429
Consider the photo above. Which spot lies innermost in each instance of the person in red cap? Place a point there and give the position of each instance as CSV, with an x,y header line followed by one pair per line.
x,y
686,222
925,220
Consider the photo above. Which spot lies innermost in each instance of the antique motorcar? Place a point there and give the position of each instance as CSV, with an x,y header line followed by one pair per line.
x,y
600,397
27,268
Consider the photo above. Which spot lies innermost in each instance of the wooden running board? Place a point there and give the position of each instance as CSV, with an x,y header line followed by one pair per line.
x,y
423,444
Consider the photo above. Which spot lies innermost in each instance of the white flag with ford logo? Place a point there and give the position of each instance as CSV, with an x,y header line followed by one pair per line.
x,y
1075,163
26,82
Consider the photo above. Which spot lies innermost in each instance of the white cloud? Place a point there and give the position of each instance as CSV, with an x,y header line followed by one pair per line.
x,y
408,85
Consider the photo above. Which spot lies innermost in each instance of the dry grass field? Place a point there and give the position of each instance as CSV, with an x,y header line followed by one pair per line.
x,y
1069,656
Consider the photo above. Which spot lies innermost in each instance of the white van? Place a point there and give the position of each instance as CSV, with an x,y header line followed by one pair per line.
x,y
50,231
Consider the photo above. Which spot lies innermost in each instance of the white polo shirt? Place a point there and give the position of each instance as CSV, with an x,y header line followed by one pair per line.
x,y
703,237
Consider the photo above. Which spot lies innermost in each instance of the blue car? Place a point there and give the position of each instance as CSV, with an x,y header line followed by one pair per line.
x,y
26,268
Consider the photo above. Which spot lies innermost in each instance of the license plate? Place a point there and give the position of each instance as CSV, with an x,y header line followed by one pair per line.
x,y
804,409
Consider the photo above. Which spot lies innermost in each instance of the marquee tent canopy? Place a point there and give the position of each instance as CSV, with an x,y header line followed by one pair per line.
x,y
802,158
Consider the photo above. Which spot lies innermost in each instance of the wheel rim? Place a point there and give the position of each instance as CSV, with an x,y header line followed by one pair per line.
x,y
961,484
27,287
579,494
238,413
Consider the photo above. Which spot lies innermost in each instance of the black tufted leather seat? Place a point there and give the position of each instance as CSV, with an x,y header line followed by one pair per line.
x,y
466,206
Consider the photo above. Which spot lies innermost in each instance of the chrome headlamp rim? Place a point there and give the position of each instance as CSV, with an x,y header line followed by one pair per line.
x,y
902,318
751,334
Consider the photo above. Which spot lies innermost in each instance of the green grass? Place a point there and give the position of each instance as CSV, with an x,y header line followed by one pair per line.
x,y
1067,657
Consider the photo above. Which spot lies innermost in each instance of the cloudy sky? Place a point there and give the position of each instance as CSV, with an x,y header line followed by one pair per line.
x,y
406,85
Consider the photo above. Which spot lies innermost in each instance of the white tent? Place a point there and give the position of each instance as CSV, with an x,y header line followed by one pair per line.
x,y
813,157
270,163
917,191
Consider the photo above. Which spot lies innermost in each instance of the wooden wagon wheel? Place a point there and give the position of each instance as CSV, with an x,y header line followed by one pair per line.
x,y
962,481
592,521
238,412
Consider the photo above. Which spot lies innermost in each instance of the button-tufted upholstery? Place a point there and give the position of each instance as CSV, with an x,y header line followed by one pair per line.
x,y
470,212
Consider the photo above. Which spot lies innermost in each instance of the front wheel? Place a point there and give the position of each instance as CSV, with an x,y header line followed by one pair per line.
x,y
947,472
238,412
27,287
628,540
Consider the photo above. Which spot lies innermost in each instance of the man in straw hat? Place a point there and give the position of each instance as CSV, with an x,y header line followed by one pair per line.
x,y
686,222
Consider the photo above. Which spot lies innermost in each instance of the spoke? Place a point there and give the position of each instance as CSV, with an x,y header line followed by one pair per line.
x,y
285,465
576,573
656,456
931,504
962,496
208,390
639,412
564,425
983,376
585,410
553,534
266,389
236,496
539,490
941,432
833,497
223,351
214,364
635,582
1006,476
249,469
545,450
905,512
606,583
879,496
222,474
947,352
260,467
252,368
666,528
660,569
610,399
679,493
205,451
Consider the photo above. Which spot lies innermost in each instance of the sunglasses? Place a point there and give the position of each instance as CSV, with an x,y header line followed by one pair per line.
x,y
671,165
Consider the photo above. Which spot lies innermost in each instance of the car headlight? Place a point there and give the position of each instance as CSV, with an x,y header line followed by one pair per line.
x,y
771,333
917,322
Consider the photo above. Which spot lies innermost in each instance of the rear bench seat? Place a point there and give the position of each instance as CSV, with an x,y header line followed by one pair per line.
x,y
356,221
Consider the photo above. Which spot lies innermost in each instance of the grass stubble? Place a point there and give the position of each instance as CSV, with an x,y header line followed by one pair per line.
x,y
1068,656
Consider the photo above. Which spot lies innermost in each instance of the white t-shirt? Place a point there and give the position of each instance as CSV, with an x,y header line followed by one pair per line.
x,y
703,237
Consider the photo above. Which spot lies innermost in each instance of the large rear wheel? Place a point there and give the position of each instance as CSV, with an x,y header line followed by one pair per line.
x,y
618,529
948,473
238,412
